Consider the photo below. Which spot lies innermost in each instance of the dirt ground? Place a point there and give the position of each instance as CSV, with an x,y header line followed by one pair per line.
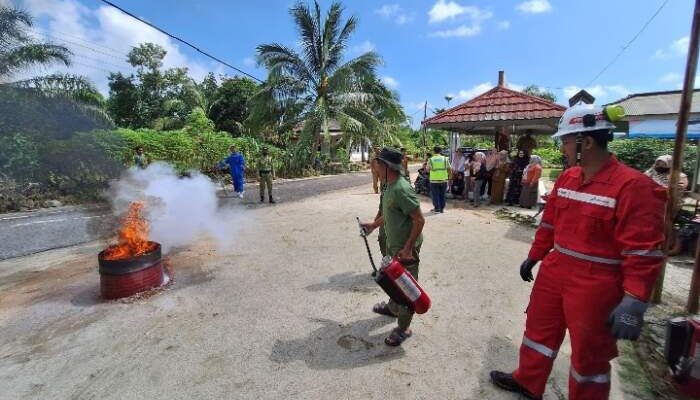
x,y
285,313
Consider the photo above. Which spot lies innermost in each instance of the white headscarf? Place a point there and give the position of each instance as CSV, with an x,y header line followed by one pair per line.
x,y
533,160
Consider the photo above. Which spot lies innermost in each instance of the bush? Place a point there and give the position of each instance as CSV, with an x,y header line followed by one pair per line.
x,y
551,156
641,153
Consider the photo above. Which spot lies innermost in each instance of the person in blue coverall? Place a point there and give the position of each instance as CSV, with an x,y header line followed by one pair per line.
x,y
236,164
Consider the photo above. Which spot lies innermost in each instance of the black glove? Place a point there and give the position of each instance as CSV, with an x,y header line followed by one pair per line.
x,y
526,269
627,318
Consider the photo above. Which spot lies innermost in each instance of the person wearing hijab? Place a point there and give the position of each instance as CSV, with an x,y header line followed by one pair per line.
x,y
480,175
660,173
498,180
531,182
516,176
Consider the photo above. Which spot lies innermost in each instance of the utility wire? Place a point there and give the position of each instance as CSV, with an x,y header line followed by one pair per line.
x,y
109,3
46,32
626,46
85,47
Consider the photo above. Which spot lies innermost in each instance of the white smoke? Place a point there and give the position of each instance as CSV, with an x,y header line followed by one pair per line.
x,y
179,210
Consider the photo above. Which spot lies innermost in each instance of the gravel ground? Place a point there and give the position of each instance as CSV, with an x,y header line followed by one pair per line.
x,y
285,313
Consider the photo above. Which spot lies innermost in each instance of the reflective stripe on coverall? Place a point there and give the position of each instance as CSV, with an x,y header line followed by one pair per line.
x,y
605,236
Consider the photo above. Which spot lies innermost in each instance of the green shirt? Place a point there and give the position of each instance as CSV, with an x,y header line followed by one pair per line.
x,y
265,163
398,202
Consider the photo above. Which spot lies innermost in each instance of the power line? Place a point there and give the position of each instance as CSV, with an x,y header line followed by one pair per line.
x,y
109,3
84,46
47,32
624,48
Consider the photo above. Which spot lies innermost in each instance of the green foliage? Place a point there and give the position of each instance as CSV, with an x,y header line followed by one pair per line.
x,y
478,141
318,85
197,122
551,156
641,153
534,90
229,107
18,50
19,157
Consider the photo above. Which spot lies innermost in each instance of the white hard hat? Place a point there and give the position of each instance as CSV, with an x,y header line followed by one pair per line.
x,y
573,120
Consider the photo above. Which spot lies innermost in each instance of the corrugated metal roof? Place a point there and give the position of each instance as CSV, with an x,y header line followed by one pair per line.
x,y
657,103
499,104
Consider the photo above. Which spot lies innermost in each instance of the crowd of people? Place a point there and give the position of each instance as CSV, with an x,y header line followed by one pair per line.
x,y
475,176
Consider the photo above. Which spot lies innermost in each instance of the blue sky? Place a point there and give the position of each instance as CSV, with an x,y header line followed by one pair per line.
x,y
431,48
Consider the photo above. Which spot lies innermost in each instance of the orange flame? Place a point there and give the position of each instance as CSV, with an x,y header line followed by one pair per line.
x,y
133,236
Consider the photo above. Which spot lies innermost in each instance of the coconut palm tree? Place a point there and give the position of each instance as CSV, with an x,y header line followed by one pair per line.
x,y
316,85
18,51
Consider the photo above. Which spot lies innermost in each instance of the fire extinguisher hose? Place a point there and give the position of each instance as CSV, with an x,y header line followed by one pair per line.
x,y
363,233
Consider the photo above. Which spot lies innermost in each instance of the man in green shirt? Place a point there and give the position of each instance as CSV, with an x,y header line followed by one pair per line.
x,y
267,173
403,221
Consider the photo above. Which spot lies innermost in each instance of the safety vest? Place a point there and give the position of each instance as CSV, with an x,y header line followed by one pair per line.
x,y
438,169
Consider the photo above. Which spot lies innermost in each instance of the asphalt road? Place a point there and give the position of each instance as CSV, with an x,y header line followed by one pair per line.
x,y
32,232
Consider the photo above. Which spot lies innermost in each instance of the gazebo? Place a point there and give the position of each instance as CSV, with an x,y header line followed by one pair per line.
x,y
500,112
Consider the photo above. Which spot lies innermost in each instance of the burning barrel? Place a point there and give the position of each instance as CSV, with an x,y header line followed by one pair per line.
x,y
134,264
124,277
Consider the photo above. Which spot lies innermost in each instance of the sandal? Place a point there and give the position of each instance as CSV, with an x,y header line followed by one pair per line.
x,y
397,337
383,309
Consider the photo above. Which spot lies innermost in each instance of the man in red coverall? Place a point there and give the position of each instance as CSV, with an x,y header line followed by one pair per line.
x,y
600,245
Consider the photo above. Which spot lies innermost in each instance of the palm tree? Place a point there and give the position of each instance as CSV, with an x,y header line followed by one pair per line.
x,y
18,51
315,85
448,98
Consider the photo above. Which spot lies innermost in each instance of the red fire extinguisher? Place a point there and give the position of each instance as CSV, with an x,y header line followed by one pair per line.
x,y
401,286
396,281
682,353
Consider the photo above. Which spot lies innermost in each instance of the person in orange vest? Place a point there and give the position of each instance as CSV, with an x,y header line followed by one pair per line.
x,y
600,243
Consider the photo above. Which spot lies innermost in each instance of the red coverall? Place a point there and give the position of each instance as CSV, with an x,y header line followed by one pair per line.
x,y
606,235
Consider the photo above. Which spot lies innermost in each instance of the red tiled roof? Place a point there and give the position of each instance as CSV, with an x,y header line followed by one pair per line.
x,y
499,104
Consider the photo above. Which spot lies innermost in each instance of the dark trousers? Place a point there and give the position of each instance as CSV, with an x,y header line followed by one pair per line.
x,y
486,183
437,193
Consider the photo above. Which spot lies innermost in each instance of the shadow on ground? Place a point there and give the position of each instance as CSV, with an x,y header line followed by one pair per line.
x,y
346,282
338,346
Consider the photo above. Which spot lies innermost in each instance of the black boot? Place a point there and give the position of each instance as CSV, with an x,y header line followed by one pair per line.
x,y
262,199
506,382
272,201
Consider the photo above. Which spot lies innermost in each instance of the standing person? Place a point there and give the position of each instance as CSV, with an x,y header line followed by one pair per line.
x,y
404,164
527,143
516,176
500,172
531,182
660,173
439,168
266,172
403,222
140,159
375,176
236,164
600,245
468,177
458,166
480,175
491,161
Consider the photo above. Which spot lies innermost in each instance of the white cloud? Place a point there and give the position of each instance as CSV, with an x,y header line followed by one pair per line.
x,y
460,31
249,62
390,82
602,93
100,39
466,94
503,25
515,86
395,13
535,6
363,47
443,11
677,48
670,78
466,20
680,46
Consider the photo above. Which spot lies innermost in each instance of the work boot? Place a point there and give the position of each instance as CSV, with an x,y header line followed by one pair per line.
x,y
506,382
272,201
